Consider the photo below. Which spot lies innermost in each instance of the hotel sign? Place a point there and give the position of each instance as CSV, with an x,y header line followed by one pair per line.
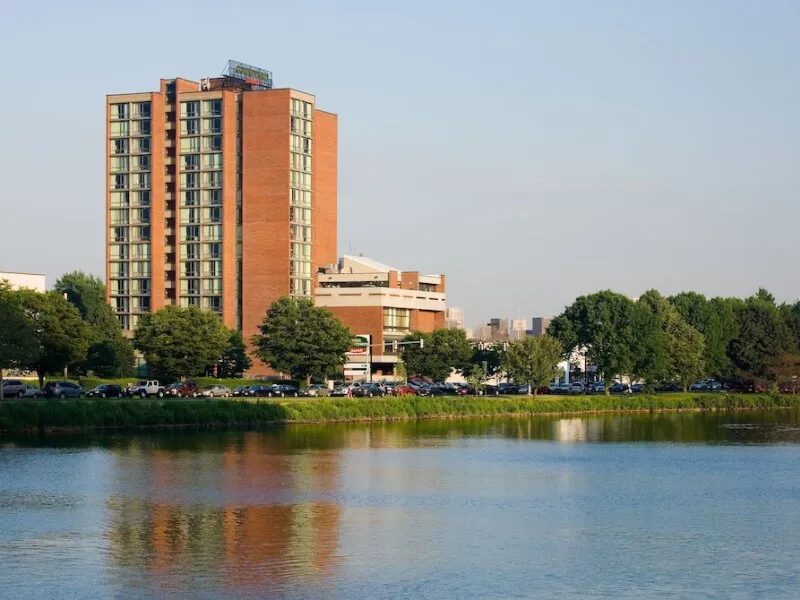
x,y
360,344
249,74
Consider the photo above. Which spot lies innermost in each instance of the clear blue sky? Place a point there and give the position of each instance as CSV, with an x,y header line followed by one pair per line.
x,y
532,151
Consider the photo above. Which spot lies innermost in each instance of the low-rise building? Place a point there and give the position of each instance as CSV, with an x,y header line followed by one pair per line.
x,y
380,305
33,281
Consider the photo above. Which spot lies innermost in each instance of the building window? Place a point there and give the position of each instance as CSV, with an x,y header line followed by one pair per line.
x,y
120,129
191,233
212,179
141,127
301,251
213,107
213,214
300,233
300,215
191,162
190,127
190,144
190,180
142,162
213,303
212,161
119,163
211,197
141,215
120,198
141,110
141,145
212,251
143,181
300,287
212,143
212,232
212,125
119,146
191,269
190,215
119,181
396,319
141,198
119,111
212,268
190,198
300,268
190,109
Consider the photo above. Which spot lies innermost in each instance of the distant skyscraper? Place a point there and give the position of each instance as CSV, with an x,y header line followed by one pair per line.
x,y
454,318
540,325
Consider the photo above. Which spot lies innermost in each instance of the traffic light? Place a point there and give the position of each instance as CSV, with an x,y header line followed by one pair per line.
x,y
421,343
395,345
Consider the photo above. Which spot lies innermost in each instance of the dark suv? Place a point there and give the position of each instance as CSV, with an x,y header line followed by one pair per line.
x,y
62,389
183,389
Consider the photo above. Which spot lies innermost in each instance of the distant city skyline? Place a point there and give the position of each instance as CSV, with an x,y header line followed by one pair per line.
x,y
574,147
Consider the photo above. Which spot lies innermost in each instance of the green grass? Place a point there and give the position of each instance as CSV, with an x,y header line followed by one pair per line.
x,y
53,415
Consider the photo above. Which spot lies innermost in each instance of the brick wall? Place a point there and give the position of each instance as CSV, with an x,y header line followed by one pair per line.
x,y
325,186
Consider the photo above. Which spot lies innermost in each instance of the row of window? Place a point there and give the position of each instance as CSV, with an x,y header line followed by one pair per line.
x,y
130,251
123,287
206,268
137,305
130,198
212,214
301,216
300,268
124,234
209,126
302,108
123,270
128,146
123,181
300,180
210,233
128,128
300,197
396,319
198,251
208,143
207,302
300,126
195,287
125,110
191,108
300,233
124,216
300,287
300,162
192,162
192,197
206,179
123,163
300,251
300,144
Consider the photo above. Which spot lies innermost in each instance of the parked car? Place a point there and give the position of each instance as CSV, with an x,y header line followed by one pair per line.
x,y
400,390
507,388
242,390
183,389
369,390
637,388
282,390
106,390
31,391
709,385
490,390
147,388
576,388
316,390
13,387
260,391
620,388
596,387
215,391
669,386
559,388
62,389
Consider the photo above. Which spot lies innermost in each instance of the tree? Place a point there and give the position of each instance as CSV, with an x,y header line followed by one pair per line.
x,y
18,347
400,372
88,294
602,323
443,351
763,335
60,334
491,354
475,376
111,358
682,346
533,361
234,360
180,342
302,340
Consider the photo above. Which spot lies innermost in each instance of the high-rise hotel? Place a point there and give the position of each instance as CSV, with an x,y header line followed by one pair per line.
x,y
221,194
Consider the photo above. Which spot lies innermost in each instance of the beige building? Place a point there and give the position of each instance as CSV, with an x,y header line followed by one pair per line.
x,y
33,281
380,304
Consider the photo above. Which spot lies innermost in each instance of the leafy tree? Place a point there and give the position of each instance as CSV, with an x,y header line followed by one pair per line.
x,y
18,347
649,340
443,351
60,334
533,361
180,342
475,376
400,372
491,354
302,339
683,346
88,294
234,360
763,336
110,358
602,323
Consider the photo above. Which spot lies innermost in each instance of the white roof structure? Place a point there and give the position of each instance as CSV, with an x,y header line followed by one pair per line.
x,y
362,264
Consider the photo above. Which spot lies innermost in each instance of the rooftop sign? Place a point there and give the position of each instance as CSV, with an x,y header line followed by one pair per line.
x,y
259,78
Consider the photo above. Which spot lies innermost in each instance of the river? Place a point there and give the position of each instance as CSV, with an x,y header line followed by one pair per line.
x,y
622,506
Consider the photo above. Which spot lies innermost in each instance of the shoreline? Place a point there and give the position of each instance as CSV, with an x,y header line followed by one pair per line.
x,y
82,416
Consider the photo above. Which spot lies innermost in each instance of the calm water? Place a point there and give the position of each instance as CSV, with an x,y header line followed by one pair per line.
x,y
682,506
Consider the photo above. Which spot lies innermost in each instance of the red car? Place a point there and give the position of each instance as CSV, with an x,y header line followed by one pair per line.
x,y
401,390
183,389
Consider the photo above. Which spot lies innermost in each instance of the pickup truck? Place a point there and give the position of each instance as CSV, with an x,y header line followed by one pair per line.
x,y
143,389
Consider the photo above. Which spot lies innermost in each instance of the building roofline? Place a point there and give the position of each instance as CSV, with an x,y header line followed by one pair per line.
x,y
21,273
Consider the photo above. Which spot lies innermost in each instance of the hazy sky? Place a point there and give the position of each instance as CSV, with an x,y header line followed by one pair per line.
x,y
532,151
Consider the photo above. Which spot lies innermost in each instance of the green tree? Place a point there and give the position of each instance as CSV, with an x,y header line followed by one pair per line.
x,y
234,360
491,354
443,351
400,372
88,294
302,340
602,323
533,361
475,376
180,342
111,358
763,335
681,345
61,335
18,347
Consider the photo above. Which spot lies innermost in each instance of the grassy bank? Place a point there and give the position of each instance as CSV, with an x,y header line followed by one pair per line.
x,y
54,415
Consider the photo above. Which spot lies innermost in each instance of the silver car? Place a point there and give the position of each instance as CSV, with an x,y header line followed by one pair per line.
x,y
216,391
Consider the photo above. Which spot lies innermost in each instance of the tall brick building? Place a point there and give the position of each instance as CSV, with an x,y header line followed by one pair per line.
x,y
220,194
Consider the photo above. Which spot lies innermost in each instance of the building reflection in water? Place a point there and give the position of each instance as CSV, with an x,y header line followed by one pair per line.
x,y
249,515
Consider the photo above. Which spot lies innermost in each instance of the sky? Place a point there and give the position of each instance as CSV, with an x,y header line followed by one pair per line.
x,y
531,151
